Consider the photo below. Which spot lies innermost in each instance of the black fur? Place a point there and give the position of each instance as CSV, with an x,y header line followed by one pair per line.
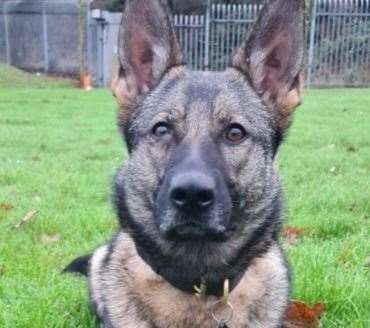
x,y
79,265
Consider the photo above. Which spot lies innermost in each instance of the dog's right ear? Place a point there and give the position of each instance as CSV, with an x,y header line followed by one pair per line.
x,y
147,49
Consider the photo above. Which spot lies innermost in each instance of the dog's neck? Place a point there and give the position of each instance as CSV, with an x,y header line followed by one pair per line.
x,y
188,277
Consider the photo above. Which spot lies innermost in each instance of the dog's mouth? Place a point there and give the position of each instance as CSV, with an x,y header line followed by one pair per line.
x,y
194,231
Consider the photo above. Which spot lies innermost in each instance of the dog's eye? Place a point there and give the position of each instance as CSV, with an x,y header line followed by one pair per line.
x,y
235,133
161,129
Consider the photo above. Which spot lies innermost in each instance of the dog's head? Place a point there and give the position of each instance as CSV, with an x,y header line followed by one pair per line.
x,y
202,144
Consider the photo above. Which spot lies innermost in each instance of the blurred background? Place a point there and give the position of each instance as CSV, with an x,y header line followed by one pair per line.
x,y
69,37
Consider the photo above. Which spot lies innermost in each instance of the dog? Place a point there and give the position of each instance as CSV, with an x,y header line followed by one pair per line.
x,y
199,200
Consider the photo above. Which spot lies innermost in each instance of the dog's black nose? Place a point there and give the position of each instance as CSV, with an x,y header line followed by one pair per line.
x,y
192,192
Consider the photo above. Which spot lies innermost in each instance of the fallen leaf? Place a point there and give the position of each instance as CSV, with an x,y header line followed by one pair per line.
x,y
292,234
344,257
6,207
301,315
25,219
49,239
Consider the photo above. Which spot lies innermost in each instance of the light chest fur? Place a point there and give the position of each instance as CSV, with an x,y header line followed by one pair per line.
x,y
127,293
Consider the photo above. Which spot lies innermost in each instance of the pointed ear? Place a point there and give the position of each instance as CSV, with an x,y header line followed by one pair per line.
x,y
147,48
272,57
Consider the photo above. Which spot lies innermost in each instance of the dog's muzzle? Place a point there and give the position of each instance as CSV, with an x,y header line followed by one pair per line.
x,y
193,200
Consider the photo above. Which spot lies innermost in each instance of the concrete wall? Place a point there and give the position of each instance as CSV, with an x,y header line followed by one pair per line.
x,y
41,35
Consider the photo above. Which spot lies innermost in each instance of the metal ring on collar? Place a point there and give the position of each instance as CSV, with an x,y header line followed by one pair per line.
x,y
230,313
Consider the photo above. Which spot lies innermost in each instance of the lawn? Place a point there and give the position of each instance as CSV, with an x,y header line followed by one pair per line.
x,y
59,150
15,78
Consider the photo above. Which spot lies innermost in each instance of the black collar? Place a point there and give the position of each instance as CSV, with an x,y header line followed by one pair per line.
x,y
186,279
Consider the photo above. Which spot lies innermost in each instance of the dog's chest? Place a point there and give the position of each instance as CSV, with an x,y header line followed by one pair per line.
x,y
131,294
167,306
170,307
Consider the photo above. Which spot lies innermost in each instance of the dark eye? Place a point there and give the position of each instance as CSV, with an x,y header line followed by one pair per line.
x,y
235,133
161,129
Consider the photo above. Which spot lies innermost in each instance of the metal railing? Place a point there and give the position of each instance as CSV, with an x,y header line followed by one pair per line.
x,y
339,48
208,40
338,39
43,35
228,25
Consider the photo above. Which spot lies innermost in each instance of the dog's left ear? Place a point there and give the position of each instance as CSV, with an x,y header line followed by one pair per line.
x,y
272,57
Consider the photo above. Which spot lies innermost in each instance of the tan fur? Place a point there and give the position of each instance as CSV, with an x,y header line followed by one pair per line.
x,y
95,284
138,297
289,101
126,95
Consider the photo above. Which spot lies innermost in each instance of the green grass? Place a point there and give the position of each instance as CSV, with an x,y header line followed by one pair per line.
x,y
16,78
59,149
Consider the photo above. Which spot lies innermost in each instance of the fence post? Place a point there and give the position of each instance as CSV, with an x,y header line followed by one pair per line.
x,y
45,38
7,41
207,35
101,26
89,46
312,43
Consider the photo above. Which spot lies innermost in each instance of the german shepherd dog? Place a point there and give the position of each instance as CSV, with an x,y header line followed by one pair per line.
x,y
199,199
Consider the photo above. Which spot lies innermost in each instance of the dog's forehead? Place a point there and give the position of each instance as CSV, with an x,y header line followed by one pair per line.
x,y
203,92
212,89
203,86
